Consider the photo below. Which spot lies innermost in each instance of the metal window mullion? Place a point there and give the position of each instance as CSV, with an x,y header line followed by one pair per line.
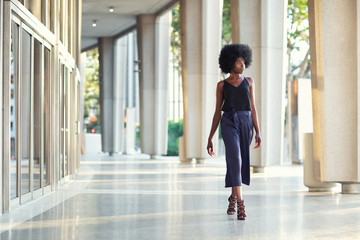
x,y
64,118
62,124
19,107
6,105
71,125
31,125
50,112
42,117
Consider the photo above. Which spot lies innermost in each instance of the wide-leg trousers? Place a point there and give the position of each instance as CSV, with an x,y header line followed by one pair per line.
x,y
237,133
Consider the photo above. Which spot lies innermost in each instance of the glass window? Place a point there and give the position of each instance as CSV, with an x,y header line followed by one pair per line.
x,y
13,105
47,114
62,121
37,113
25,87
66,107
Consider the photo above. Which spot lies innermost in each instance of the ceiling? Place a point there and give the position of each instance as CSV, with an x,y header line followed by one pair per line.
x,y
111,24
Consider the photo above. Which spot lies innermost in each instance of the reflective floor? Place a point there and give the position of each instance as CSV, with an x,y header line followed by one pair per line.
x,y
133,197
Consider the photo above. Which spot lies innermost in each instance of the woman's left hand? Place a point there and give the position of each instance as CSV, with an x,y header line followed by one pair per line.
x,y
257,141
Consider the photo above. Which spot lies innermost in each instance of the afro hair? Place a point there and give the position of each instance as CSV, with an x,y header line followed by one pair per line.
x,y
230,53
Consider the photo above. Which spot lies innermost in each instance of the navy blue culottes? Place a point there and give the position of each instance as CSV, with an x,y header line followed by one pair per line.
x,y
237,133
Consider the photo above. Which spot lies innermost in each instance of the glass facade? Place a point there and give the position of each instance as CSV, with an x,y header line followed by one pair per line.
x,y
37,100
24,91
40,151
14,62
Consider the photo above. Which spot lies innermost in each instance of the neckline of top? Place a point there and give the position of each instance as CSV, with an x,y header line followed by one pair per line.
x,y
238,85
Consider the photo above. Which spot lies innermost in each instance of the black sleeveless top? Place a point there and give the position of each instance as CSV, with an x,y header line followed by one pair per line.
x,y
237,98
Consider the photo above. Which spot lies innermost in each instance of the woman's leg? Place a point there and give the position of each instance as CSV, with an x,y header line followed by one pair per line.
x,y
241,215
236,192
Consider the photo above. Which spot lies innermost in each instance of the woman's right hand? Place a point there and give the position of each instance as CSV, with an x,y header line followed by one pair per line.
x,y
210,148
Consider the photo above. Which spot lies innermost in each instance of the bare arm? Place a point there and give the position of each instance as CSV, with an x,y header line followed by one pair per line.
x,y
216,118
254,113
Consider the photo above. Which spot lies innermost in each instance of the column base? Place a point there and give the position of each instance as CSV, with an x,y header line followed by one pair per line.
x,y
350,188
185,161
153,156
258,169
320,189
189,160
200,160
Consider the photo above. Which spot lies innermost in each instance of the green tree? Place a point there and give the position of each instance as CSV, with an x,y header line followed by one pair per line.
x,y
297,33
175,37
226,23
175,130
92,90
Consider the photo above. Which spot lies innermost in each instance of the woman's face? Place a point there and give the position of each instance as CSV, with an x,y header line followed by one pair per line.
x,y
239,66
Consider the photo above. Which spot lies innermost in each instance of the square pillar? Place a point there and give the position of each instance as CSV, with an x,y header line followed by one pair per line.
x,y
266,36
153,51
112,71
335,72
200,47
1,102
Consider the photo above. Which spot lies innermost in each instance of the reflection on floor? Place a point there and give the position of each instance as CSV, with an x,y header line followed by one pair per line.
x,y
133,197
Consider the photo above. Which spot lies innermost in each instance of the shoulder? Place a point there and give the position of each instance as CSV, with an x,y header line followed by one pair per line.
x,y
220,84
250,80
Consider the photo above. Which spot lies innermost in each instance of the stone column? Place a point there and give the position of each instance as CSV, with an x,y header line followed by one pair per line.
x,y
120,65
130,102
161,84
200,47
266,36
1,105
112,57
152,83
335,89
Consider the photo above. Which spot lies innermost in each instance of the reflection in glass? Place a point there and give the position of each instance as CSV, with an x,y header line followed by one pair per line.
x,y
37,114
47,114
62,121
66,123
25,88
13,106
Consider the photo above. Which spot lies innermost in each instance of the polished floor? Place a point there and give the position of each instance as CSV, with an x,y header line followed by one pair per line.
x,y
133,197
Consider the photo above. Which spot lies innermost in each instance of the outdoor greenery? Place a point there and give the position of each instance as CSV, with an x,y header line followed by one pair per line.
x,y
175,130
226,24
297,34
92,92
175,37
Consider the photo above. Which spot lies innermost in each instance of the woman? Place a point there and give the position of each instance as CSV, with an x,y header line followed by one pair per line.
x,y
235,96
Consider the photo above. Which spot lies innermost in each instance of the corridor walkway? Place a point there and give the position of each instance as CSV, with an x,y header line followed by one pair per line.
x,y
133,197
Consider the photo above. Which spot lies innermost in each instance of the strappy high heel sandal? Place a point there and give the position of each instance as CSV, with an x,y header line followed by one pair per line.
x,y
241,210
231,207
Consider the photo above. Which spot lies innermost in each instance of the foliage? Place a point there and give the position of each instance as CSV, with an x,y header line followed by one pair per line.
x,y
226,23
297,32
92,90
175,130
137,136
175,37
